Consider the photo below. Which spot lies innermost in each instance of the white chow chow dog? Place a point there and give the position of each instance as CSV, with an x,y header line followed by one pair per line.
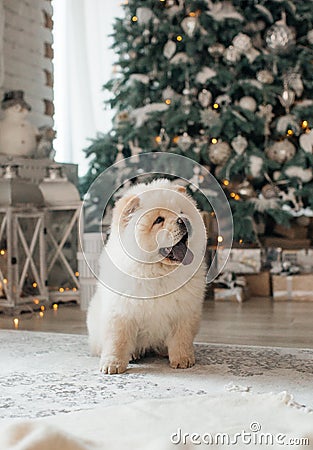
x,y
152,279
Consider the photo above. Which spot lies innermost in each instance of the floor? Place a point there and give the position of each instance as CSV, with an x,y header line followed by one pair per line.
x,y
258,321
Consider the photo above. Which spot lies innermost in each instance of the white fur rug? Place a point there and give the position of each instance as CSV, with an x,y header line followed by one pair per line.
x,y
52,379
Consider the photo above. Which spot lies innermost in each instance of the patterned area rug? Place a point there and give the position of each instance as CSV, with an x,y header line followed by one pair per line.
x,y
43,374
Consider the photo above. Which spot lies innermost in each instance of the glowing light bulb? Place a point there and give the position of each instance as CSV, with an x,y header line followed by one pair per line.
x,y
158,139
76,274
36,301
220,238
61,289
226,182
168,101
179,38
175,139
2,252
55,306
216,105
74,289
192,14
214,141
240,241
42,308
35,284
41,313
289,132
16,322
305,124
237,197
5,281
134,19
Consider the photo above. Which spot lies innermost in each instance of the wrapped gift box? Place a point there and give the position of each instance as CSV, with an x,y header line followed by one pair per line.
x,y
293,287
235,294
246,260
302,258
259,285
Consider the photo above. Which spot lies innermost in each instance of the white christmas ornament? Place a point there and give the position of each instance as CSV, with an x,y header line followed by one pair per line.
x,y
242,42
205,74
255,166
189,25
144,79
306,141
248,103
205,98
168,93
141,115
179,58
17,134
279,37
305,175
223,10
169,49
287,98
144,15
184,142
239,144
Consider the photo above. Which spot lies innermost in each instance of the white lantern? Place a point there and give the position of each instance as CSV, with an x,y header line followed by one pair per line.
x,y
63,206
22,246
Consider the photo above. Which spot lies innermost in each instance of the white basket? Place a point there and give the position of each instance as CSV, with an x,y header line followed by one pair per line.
x,y
88,287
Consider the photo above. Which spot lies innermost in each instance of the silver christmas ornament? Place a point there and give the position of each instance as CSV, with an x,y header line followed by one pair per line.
x,y
242,42
279,37
306,141
205,98
184,142
287,98
281,151
189,25
265,77
248,103
293,80
219,153
232,55
168,93
169,49
239,144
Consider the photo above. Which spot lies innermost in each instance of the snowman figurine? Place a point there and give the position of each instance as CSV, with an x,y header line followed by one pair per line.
x,y
18,137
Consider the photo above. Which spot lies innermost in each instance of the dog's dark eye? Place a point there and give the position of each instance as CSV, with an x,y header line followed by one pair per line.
x,y
158,220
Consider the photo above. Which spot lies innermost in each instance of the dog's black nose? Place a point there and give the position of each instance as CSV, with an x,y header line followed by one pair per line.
x,y
179,221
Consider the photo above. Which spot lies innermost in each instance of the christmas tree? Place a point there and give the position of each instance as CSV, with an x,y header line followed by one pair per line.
x,y
228,84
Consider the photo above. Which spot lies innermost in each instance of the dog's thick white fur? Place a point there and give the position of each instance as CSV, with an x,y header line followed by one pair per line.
x,y
151,293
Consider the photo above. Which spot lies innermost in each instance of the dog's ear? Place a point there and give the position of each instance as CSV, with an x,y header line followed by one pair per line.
x,y
180,189
124,208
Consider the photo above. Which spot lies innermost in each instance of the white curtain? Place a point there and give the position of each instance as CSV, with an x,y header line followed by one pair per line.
x,y
83,62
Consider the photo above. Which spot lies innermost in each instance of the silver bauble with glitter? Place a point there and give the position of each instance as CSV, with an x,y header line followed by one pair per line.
x,y
280,38
219,152
281,151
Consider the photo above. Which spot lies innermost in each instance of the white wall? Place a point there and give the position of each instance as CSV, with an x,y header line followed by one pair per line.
x,y
22,54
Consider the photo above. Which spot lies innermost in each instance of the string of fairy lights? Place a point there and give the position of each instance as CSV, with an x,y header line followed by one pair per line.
x,y
38,308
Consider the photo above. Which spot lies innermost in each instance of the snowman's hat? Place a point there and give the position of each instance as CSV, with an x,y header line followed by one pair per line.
x,y
12,98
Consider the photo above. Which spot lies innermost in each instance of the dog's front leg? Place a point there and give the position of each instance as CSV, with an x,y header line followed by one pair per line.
x,y
180,348
118,344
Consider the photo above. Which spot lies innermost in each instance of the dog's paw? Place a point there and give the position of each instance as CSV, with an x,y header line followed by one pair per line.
x,y
113,366
182,361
